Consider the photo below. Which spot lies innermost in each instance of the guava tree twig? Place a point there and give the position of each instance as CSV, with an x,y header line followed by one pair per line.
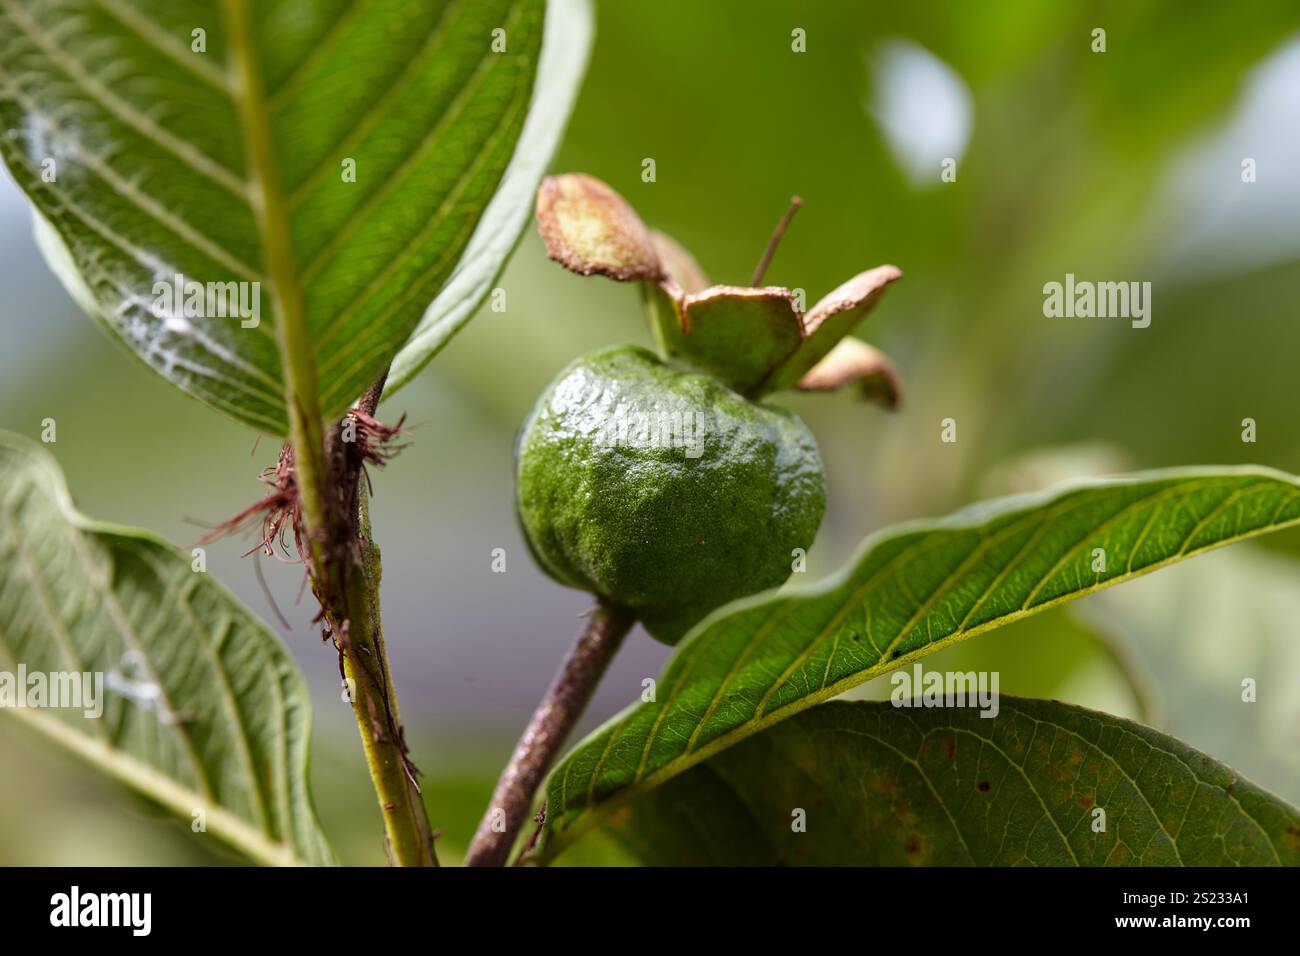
x,y
345,578
549,728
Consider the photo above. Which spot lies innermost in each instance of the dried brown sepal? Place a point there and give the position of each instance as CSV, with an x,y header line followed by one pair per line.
x,y
753,338
679,266
277,517
829,321
590,229
859,294
853,361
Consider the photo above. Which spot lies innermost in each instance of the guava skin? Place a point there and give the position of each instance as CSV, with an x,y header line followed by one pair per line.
x,y
669,529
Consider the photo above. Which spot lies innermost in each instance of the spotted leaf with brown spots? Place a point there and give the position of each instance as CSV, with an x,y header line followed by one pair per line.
x,y
873,784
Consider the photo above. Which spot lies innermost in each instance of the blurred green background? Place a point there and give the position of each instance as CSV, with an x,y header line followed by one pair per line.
x,y
1117,166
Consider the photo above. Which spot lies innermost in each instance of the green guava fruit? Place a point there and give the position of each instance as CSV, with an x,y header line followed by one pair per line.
x,y
663,491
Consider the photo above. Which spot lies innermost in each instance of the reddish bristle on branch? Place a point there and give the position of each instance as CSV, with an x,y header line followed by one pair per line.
x,y
374,441
277,517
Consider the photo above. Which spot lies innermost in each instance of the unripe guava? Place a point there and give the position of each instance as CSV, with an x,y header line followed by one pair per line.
x,y
663,491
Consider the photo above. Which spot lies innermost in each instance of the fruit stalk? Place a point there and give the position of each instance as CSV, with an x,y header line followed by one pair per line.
x,y
549,728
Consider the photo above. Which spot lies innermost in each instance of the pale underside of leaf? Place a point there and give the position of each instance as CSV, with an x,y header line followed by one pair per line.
x,y
887,786
204,709
911,591
566,43
149,143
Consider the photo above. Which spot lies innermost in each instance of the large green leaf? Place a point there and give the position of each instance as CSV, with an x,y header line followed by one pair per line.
x,y
910,591
566,41
228,165
203,708
880,785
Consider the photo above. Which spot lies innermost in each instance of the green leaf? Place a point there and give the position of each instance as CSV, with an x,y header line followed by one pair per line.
x,y
203,708
566,42
150,159
911,591
884,786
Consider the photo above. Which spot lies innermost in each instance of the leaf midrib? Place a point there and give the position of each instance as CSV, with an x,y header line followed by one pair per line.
x,y
181,800
265,197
